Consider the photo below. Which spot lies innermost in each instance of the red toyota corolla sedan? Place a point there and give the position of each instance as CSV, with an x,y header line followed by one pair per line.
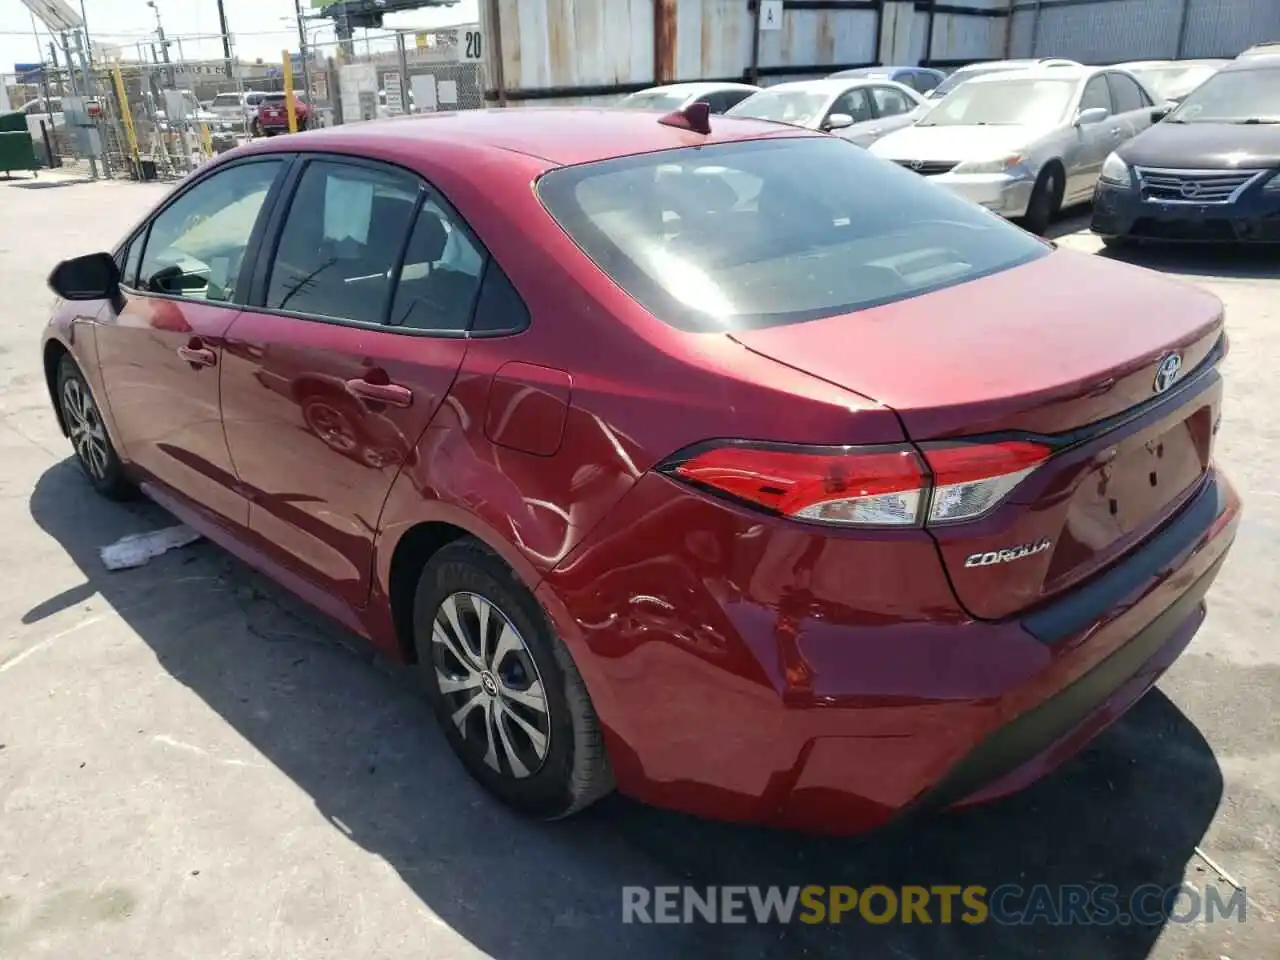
x,y
725,464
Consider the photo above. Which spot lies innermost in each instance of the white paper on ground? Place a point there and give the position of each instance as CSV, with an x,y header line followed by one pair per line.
x,y
138,548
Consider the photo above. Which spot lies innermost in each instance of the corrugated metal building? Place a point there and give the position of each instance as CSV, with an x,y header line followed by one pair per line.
x,y
576,51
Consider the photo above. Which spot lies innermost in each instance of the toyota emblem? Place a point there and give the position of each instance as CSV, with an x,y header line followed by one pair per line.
x,y
916,164
1189,189
1168,372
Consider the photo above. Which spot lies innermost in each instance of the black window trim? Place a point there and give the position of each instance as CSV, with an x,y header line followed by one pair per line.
x,y
1106,84
143,233
274,230
1117,77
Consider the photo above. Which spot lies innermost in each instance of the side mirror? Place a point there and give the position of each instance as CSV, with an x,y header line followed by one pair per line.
x,y
1162,111
838,121
91,277
1092,115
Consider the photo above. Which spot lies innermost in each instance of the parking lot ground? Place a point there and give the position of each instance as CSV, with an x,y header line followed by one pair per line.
x,y
194,765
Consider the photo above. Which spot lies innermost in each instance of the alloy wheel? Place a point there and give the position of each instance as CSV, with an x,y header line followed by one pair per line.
x,y
491,683
84,424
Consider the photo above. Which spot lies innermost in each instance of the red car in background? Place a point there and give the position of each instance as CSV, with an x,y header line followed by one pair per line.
x,y
711,459
273,114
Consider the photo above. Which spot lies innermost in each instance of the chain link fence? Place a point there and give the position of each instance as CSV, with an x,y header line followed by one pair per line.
x,y
158,115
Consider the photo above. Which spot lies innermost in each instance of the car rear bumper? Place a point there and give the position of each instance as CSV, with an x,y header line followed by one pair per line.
x,y
773,687
1122,212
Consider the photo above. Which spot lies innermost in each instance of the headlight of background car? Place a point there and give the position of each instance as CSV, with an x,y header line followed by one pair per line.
x,y
999,165
1116,171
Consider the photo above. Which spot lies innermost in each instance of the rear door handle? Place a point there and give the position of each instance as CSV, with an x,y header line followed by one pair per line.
x,y
392,394
197,355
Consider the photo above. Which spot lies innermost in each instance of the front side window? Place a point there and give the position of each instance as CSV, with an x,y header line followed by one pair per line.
x,y
853,103
1005,102
197,244
1234,96
746,235
341,241
1126,95
1096,94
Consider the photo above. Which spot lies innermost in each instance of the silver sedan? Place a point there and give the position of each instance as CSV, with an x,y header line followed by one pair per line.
x,y
860,111
1025,144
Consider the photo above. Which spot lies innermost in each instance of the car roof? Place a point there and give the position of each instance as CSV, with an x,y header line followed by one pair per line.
x,y
1058,73
1255,61
827,85
558,135
694,87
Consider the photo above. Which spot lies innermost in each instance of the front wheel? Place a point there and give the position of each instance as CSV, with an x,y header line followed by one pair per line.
x,y
1046,198
504,688
94,450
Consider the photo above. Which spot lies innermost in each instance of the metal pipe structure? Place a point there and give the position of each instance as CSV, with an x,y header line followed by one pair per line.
x,y
302,49
226,39
753,69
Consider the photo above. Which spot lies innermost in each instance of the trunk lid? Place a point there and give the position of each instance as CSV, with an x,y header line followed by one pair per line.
x,y
1066,348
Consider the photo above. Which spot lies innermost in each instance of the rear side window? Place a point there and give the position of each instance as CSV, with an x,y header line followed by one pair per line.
x,y
738,236
924,82
891,102
440,277
1096,94
341,241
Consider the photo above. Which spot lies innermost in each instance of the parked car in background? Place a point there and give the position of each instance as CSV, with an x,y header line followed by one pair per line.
x,y
1025,144
1210,170
237,111
273,113
986,67
814,507
1171,80
1264,49
718,97
860,111
920,79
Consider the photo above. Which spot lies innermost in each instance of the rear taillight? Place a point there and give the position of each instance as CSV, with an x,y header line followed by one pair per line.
x,y
862,486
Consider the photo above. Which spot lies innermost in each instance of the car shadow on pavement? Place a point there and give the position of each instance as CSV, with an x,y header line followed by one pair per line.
x,y
1203,260
356,737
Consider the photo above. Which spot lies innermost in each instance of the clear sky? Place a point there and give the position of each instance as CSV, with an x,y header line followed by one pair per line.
x,y
262,28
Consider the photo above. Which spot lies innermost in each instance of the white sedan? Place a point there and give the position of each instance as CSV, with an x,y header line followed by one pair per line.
x,y
861,111
718,97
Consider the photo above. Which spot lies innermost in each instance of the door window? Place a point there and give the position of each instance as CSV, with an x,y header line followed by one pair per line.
x,y
734,97
341,241
855,103
196,246
1096,94
129,259
891,102
441,275
1126,94
923,81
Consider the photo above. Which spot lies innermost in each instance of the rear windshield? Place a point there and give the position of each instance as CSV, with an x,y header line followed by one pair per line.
x,y
768,232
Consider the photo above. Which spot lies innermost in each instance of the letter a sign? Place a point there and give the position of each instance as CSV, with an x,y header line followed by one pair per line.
x,y
770,14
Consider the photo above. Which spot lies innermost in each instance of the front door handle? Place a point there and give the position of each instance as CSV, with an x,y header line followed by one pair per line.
x,y
1116,131
392,394
198,355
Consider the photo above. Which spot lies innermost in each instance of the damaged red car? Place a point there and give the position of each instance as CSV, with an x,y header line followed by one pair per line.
x,y
718,462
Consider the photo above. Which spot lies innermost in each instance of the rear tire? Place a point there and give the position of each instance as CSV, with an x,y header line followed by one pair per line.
x,y
95,452
505,690
1046,200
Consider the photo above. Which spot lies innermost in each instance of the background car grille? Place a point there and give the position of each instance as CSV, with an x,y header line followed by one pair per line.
x,y
1194,186
928,168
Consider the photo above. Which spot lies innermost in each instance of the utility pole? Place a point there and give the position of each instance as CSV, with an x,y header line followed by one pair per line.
x,y
302,49
164,44
226,39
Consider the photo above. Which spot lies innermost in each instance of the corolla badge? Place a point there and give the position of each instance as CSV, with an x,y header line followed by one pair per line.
x,y
1168,372
1007,555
